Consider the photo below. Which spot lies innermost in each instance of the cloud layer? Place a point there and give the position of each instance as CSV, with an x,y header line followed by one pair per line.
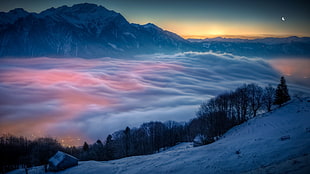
x,y
86,99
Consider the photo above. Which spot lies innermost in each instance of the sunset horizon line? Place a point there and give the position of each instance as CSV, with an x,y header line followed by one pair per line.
x,y
236,36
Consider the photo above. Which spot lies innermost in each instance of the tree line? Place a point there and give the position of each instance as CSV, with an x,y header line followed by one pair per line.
x,y
214,118
19,152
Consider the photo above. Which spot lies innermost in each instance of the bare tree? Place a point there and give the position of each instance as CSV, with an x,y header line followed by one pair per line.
x,y
268,97
255,94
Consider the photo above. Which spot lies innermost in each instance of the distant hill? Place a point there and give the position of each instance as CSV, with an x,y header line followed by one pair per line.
x,y
267,40
275,142
90,31
265,47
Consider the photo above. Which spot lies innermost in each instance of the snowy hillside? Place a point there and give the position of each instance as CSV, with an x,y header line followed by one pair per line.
x,y
276,142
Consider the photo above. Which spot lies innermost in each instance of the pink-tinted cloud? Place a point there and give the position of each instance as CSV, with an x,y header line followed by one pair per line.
x,y
295,69
40,93
86,99
45,78
292,67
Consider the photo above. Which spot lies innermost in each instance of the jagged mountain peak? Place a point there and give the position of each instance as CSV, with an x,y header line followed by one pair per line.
x,y
88,8
11,16
151,26
84,30
82,11
80,8
18,11
92,17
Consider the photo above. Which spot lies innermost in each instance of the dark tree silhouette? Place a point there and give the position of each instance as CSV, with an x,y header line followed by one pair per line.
x,y
127,141
85,146
281,95
243,100
109,151
98,151
268,97
42,149
255,97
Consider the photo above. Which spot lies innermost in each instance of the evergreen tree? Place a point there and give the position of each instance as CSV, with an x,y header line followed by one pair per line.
x,y
98,150
85,146
282,95
109,148
127,141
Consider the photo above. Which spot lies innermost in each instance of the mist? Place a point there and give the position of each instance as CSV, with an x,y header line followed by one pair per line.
x,y
87,99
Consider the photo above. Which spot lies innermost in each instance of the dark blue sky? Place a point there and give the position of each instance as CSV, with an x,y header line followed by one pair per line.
x,y
200,18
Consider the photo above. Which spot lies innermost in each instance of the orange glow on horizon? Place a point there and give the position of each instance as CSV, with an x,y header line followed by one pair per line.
x,y
234,36
213,29
292,67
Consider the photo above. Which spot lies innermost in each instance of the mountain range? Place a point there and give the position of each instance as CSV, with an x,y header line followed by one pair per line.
x,y
264,47
90,31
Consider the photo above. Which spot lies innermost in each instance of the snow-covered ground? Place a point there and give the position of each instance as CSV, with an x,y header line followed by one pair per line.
x,y
253,147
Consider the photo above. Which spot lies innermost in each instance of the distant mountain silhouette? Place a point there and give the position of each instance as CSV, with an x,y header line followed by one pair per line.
x,y
90,31
265,47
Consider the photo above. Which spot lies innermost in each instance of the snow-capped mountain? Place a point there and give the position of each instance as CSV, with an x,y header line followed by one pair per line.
x,y
275,142
83,30
12,16
88,30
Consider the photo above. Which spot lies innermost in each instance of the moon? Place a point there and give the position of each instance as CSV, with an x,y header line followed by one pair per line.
x,y
283,19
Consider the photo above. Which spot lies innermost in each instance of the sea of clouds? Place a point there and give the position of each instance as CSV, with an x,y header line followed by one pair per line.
x,y
90,98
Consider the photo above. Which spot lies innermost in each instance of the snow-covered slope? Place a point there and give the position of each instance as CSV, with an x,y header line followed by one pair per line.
x,y
253,147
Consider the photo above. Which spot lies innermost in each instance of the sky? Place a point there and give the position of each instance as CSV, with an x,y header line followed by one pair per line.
x,y
201,18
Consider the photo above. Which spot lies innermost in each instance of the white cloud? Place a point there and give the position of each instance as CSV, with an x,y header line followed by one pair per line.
x,y
98,96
